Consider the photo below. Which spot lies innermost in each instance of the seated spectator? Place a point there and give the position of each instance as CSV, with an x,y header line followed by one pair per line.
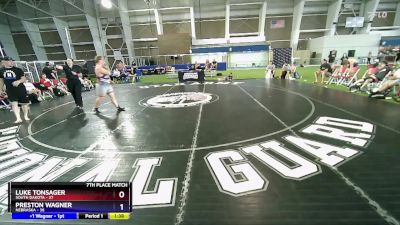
x,y
371,71
392,80
49,71
87,83
122,71
207,65
160,70
353,65
270,71
45,84
285,70
384,70
35,95
115,74
344,65
325,70
4,100
214,65
197,66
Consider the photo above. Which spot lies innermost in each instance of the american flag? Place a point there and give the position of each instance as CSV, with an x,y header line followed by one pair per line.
x,y
275,24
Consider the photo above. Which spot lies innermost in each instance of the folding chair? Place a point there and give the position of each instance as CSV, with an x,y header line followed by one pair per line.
x,y
45,93
59,83
349,77
63,80
336,77
375,85
4,105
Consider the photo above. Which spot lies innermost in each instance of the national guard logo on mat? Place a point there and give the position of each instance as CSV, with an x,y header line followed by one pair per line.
x,y
179,100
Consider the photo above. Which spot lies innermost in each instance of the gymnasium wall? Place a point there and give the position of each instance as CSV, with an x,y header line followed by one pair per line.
x,y
175,44
210,29
280,37
243,26
313,22
361,43
144,31
171,28
50,37
85,51
81,35
24,47
55,53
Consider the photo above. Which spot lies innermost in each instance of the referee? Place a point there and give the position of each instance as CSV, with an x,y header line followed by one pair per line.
x,y
73,82
14,79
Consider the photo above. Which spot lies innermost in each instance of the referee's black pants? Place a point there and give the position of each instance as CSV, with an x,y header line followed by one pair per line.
x,y
75,87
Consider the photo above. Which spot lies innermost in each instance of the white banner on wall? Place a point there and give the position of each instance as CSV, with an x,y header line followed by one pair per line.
x,y
248,59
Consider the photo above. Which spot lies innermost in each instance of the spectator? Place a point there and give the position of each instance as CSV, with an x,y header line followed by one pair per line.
x,y
293,71
270,70
46,84
13,78
344,56
344,65
4,103
214,64
196,66
87,83
207,65
123,71
133,68
353,67
115,74
369,57
49,71
285,70
325,70
371,71
34,94
384,70
392,80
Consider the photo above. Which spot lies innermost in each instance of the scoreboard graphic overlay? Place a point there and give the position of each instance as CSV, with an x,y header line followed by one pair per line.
x,y
96,200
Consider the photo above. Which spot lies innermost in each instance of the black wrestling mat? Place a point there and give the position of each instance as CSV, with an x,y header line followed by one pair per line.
x,y
248,152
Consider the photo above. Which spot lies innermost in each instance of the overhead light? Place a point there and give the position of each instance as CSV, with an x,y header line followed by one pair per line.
x,y
106,4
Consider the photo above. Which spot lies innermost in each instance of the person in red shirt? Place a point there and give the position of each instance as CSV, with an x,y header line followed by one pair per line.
x,y
46,84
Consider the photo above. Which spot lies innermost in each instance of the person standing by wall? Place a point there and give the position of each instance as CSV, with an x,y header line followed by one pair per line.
x,y
369,57
270,71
